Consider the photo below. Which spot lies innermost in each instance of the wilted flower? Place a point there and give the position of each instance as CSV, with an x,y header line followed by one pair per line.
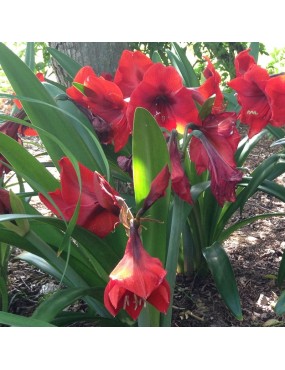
x,y
179,181
214,150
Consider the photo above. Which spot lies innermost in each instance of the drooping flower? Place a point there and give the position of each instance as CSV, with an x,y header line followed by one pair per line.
x,y
138,278
157,188
162,93
179,181
131,69
214,150
99,209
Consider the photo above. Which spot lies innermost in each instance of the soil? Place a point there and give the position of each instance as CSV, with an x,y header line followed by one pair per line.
x,y
255,253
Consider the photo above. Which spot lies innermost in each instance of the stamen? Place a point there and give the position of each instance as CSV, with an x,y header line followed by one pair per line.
x,y
138,301
126,301
252,112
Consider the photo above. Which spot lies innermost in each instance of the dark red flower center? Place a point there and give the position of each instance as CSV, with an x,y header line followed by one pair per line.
x,y
162,103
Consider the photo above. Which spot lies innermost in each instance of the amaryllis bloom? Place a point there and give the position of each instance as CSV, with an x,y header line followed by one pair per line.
x,y
162,93
5,205
251,96
105,100
210,87
138,278
99,210
131,69
157,189
214,150
179,181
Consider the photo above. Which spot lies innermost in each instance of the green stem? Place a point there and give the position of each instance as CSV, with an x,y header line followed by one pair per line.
x,y
179,215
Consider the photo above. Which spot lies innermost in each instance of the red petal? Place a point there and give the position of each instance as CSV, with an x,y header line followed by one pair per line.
x,y
179,181
138,272
131,69
243,62
250,87
211,87
5,206
157,188
160,298
275,91
105,194
162,93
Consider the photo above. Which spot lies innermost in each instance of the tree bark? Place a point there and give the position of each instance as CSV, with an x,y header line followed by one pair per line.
x,y
102,56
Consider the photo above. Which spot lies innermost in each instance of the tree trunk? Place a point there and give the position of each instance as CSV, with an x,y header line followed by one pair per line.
x,y
102,56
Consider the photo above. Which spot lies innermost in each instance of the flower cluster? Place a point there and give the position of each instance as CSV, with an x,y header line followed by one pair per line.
x,y
138,82
210,140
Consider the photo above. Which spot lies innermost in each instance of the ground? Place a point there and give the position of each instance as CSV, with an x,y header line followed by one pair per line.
x,y
254,251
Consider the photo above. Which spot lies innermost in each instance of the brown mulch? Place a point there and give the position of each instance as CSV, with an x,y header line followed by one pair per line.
x,y
254,251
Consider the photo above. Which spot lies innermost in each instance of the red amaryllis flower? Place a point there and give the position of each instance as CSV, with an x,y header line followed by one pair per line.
x,y
210,87
214,150
5,205
162,93
105,100
255,108
131,69
99,209
138,278
179,181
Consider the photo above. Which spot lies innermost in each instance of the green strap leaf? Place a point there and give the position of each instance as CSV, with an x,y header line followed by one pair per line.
x,y
52,306
30,55
222,272
150,155
238,225
67,63
254,46
180,60
22,321
280,305
26,165
246,146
